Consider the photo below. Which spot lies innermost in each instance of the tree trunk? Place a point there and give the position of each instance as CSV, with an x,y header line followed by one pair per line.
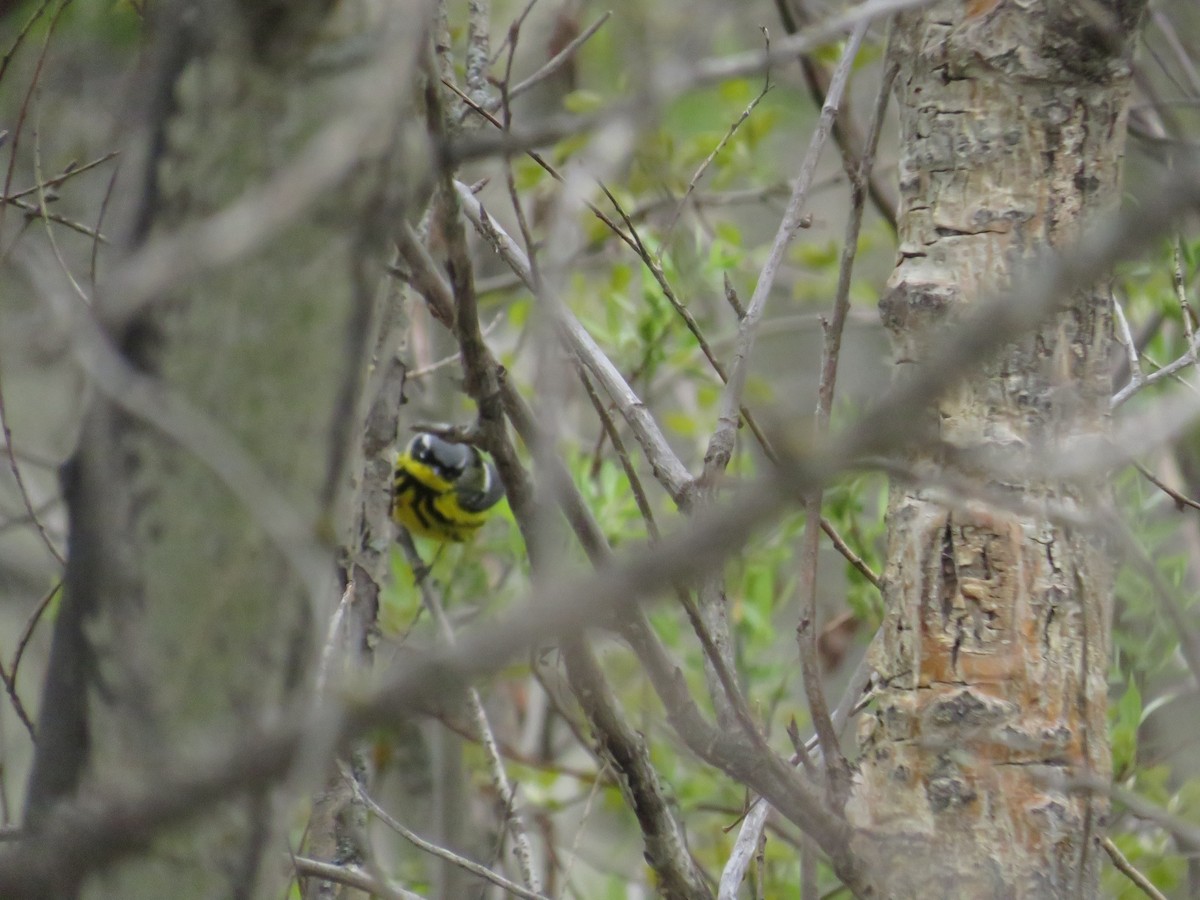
x,y
192,606
993,656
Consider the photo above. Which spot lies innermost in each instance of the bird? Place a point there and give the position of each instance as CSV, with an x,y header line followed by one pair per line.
x,y
442,490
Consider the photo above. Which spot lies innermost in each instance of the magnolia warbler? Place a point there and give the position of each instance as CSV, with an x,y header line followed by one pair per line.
x,y
442,490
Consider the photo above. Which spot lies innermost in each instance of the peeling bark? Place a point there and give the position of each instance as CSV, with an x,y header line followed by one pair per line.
x,y
993,656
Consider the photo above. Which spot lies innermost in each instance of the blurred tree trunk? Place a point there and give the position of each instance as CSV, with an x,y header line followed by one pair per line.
x,y
191,608
994,652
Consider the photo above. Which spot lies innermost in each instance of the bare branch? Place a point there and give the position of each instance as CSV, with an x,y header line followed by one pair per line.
x,y
720,446
846,131
1164,25
171,259
81,836
1180,500
665,841
30,624
836,768
738,863
756,62
479,15
1126,868
1180,828
1170,369
487,737
442,853
1127,341
703,167
556,62
22,487
839,544
351,877
622,747
669,471
672,81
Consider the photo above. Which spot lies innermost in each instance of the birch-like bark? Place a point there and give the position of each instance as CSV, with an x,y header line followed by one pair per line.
x,y
993,656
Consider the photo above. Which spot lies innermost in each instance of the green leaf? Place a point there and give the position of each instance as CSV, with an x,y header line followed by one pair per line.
x,y
1126,716
582,101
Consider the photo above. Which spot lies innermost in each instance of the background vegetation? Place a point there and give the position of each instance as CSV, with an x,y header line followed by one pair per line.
x,y
649,212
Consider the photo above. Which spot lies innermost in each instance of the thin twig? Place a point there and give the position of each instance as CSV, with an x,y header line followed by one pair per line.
x,y
708,160
78,836
547,167
851,557
755,819
836,767
487,737
1168,601
350,876
631,475
635,243
637,631
1126,338
30,624
67,173
22,488
665,838
1180,500
454,358
19,479
441,852
667,467
1188,359
1167,29
1181,297
666,850
1126,868
720,445
103,211
517,22
735,197
1182,829
21,35
655,268
10,687
796,14
755,62
573,851
35,78
556,62
663,832
32,211
333,635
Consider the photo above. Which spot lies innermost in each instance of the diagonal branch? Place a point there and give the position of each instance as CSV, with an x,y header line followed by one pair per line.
x,y
836,768
846,130
720,445
81,836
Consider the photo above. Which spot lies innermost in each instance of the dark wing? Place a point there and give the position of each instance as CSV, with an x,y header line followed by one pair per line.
x,y
481,488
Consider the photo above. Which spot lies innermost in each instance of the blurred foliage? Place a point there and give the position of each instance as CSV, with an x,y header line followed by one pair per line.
x,y
623,306
1153,710
724,229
